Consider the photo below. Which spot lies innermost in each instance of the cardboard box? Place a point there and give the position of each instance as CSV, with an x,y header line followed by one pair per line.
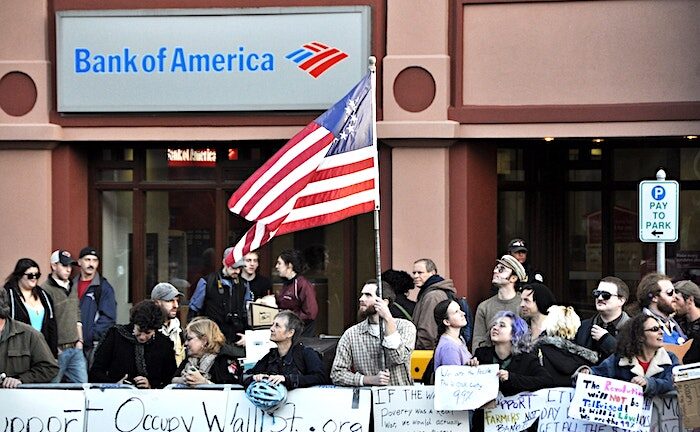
x,y
261,315
687,381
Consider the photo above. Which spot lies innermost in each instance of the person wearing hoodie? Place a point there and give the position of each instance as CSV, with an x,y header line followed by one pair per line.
x,y
433,290
555,348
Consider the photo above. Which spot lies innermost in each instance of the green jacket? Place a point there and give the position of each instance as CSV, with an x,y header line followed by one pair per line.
x,y
25,355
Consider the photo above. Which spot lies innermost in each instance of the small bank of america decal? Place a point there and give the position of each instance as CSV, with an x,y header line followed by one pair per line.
x,y
315,58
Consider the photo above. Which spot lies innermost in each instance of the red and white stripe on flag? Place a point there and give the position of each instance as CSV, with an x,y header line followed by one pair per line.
x,y
309,182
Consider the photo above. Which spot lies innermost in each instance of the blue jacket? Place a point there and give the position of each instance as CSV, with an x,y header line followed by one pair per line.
x,y
301,367
96,318
659,375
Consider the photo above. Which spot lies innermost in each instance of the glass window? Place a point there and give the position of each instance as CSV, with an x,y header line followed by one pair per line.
x,y
117,224
180,228
511,216
510,164
585,236
116,175
690,163
636,164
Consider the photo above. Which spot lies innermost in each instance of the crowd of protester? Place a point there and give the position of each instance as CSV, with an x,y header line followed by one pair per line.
x,y
65,330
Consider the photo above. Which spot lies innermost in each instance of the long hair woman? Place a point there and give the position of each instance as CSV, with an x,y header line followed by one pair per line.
x,y
298,294
451,348
29,303
640,357
209,359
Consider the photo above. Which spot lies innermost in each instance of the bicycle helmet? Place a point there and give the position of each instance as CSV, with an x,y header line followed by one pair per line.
x,y
268,397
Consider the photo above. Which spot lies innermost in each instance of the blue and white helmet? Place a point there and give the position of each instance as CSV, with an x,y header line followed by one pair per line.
x,y
268,397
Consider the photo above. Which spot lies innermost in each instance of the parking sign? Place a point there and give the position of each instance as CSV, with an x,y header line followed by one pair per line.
x,y
658,211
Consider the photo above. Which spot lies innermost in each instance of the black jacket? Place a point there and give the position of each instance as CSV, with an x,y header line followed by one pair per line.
x,y
48,327
116,357
226,307
605,347
562,357
525,373
301,367
225,369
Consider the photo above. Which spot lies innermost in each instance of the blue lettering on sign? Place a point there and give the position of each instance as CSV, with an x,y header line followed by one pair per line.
x,y
176,61
658,193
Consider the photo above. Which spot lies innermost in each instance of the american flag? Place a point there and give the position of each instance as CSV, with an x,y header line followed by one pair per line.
x,y
327,172
315,58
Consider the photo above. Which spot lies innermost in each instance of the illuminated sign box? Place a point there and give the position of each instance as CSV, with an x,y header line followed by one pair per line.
x,y
210,59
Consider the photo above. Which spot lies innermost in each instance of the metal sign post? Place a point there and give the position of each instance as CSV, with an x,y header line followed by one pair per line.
x,y
658,215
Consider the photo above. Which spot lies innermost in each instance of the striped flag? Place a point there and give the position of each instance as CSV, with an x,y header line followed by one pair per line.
x,y
327,172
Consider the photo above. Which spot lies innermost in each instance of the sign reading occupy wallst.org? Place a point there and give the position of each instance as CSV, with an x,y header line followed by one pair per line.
x,y
209,60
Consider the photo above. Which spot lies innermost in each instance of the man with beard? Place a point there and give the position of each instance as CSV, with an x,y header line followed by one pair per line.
x,y
98,307
656,295
362,358
220,297
599,333
165,295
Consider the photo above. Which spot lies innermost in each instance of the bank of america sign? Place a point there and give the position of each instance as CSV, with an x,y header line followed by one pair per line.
x,y
204,60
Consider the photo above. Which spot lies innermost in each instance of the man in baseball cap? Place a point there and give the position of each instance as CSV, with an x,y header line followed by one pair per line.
x,y
507,277
517,248
222,298
71,360
167,297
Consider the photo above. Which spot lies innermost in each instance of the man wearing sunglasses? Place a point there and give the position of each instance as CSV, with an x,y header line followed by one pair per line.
x,y
656,296
599,333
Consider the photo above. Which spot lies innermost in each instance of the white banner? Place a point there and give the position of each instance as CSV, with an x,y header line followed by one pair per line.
x,y
465,387
41,410
410,409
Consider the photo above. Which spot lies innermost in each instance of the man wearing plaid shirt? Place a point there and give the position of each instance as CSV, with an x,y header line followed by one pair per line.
x,y
358,358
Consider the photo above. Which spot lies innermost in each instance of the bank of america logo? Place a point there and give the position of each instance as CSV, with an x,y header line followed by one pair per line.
x,y
315,58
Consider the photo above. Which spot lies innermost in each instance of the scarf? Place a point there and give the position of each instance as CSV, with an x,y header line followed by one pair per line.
x,y
127,332
202,364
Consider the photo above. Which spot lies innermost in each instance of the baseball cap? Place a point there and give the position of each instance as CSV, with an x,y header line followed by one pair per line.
x,y
164,291
62,256
688,289
517,245
240,263
513,264
88,250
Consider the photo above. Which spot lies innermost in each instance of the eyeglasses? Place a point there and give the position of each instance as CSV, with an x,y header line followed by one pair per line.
x,y
606,295
31,276
654,329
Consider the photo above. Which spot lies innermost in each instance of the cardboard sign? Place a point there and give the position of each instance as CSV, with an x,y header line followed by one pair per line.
x,y
609,401
513,413
465,387
410,409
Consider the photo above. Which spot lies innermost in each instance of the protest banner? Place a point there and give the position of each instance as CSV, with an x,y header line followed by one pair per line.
x,y
465,387
513,413
609,401
410,409
38,410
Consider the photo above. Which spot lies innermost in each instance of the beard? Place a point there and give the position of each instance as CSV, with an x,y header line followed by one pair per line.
x,y
367,312
666,308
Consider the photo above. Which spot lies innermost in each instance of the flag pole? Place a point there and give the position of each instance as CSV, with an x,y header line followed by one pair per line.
x,y
377,249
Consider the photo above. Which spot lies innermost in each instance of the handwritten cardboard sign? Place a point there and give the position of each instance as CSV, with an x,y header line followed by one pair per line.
x,y
465,387
610,402
410,409
513,413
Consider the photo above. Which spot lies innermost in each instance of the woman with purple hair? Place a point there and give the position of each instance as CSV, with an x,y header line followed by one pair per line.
x,y
519,370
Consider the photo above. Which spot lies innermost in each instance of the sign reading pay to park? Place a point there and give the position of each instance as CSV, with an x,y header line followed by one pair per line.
x,y
658,211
